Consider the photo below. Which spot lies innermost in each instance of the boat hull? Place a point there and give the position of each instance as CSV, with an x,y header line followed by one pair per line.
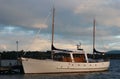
x,y
51,66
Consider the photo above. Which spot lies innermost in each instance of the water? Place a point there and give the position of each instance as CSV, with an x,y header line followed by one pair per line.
x,y
112,73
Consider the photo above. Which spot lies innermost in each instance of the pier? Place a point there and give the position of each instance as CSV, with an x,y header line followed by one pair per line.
x,y
11,69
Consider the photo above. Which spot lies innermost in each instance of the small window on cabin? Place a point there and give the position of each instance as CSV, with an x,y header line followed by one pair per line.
x,y
60,56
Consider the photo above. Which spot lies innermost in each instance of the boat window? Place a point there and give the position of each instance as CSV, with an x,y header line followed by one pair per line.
x,y
79,57
61,56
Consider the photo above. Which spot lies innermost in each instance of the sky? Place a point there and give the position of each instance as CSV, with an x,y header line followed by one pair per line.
x,y
30,23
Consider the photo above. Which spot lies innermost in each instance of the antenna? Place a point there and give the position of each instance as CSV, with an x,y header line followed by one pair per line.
x,y
79,46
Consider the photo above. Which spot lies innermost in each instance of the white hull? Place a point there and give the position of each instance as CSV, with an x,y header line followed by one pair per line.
x,y
51,66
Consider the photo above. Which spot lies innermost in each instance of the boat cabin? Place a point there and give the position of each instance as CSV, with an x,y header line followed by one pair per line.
x,y
69,57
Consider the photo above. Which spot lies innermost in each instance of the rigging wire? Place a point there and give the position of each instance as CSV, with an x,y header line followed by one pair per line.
x,y
37,34
45,21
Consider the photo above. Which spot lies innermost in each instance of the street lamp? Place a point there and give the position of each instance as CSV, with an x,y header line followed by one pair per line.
x,y
17,45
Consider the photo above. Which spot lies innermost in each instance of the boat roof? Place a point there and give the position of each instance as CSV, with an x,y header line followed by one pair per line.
x,y
73,52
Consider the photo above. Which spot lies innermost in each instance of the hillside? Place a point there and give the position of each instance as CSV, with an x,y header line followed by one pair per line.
x,y
113,54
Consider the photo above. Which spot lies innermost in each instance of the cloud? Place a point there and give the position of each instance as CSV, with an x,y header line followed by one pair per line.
x,y
3,47
40,25
25,13
88,5
104,10
39,45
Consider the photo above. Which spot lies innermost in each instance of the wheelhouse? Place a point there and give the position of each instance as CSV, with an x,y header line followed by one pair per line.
x,y
69,57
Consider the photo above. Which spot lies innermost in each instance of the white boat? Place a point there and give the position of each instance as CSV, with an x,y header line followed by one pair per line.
x,y
64,61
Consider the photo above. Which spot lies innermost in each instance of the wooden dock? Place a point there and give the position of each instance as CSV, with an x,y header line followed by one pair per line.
x,y
11,70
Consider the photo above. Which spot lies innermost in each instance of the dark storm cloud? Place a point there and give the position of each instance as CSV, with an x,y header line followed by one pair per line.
x,y
23,12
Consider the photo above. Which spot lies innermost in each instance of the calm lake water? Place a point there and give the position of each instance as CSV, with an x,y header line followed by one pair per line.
x,y
112,73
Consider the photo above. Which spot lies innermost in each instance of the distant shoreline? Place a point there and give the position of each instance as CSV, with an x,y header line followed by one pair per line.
x,y
12,55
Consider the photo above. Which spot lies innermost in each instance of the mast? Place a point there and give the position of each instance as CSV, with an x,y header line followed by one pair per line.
x,y
93,36
52,32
